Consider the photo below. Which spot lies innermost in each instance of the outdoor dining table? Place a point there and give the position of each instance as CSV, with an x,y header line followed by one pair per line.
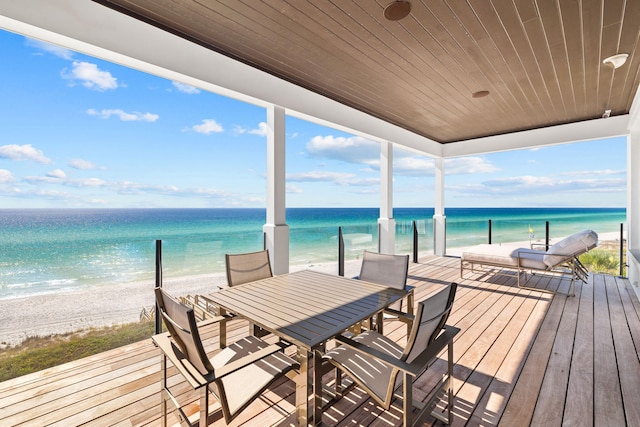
x,y
307,308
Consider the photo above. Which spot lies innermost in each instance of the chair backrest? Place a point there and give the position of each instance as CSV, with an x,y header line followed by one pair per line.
x,y
181,324
431,315
244,268
571,246
384,269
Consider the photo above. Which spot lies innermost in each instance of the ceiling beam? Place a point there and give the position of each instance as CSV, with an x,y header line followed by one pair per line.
x,y
553,135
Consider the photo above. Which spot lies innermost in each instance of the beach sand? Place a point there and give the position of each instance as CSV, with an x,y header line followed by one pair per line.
x,y
63,312
44,315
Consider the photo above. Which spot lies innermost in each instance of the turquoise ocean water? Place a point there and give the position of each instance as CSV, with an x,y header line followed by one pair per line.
x,y
49,250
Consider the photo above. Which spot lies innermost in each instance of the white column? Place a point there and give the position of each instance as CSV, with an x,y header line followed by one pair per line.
x,y
276,229
439,219
386,223
633,208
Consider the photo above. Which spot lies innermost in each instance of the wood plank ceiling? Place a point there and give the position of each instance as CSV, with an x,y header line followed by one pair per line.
x,y
540,60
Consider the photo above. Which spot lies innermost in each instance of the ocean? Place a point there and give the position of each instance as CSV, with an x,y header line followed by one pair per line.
x,y
51,250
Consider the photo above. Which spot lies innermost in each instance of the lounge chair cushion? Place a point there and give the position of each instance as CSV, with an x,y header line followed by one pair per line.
x,y
506,256
571,246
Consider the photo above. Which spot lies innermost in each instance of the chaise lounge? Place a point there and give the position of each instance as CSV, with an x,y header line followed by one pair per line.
x,y
561,258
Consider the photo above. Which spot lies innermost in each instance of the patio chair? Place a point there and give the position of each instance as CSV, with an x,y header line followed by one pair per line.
x,y
236,376
380,366
560,258
248,267
390,271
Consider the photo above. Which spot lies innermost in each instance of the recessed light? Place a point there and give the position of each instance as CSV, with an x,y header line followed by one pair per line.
x,y
397,10
480,94
616,61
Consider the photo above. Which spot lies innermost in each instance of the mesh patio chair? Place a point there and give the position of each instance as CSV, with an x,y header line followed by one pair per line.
x,y
390,271
236,376
374,361
248,267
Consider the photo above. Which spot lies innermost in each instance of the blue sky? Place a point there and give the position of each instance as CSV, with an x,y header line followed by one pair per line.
x,y
76,131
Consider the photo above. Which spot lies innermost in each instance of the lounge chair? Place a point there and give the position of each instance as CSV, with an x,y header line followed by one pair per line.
x,y
390,271
562,258
380,366
236,376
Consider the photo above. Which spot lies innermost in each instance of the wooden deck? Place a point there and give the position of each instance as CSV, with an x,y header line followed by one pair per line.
x,y
523,358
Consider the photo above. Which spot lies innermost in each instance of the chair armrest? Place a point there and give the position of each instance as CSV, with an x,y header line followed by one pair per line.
x,y
417,366
402,316
177,358
213,320
250,359
376,354
193,376
434,349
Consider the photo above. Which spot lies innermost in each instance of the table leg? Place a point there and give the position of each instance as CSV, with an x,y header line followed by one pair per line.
x,y
302,388
316,400
223,329
309,387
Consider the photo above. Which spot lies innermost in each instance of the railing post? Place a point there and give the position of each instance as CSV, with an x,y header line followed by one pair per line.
x,y
415,243
489,231
340,253
158,318
546,236
622,265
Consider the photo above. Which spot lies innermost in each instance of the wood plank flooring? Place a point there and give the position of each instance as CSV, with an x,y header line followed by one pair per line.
x,y
523,357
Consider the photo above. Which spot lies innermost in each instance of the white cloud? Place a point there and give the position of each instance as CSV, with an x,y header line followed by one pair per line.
x,y
6,176
184,88
58,51
596,172
468,165
339,178
528,186
208,126
58,176
413,166
354,149
261,130
57,173
90,76
292,188
81,164
123,115
23,152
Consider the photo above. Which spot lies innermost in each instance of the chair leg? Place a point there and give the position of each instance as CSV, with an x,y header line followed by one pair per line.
x,y
338,380
204,406
450,383
163,395
407,400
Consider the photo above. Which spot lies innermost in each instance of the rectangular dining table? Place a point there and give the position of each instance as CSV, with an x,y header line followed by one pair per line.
x,y
307,308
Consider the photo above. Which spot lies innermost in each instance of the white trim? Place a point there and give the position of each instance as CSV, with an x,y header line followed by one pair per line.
x,y
553,135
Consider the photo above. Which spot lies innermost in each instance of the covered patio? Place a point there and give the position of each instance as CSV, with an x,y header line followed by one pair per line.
x,y
452,79
523,358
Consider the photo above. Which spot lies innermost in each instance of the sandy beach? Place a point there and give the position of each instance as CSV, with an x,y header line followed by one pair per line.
x,y
43,315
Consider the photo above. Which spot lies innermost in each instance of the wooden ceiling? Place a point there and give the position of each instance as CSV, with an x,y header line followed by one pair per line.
x,y
540,60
